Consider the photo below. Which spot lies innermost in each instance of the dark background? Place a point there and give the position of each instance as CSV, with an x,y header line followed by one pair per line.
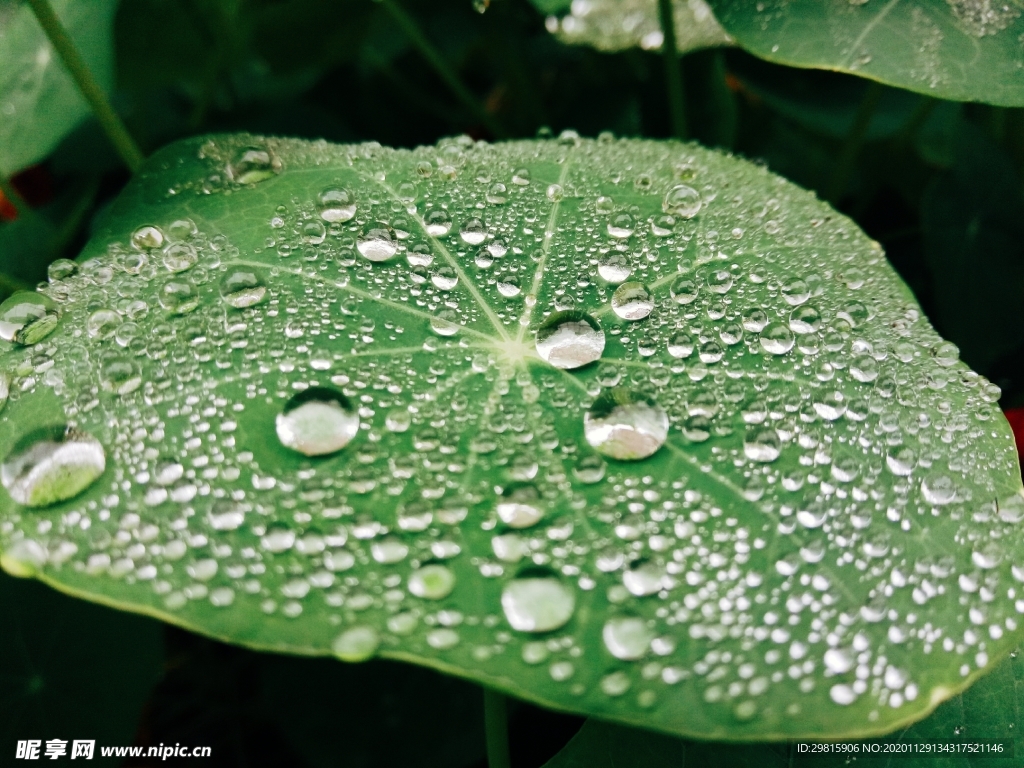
x,y
938,184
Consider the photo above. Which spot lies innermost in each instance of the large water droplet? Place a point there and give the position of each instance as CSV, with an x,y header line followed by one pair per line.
x,y
252,165
777,339
51,465
377,243
624,424
762,444
356,644
627,637
337,204
243,287
681,201
570,340
537,602
614,267
632,301
317,421
27,318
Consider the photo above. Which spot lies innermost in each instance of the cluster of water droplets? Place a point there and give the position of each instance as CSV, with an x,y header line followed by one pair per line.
x,y
472,400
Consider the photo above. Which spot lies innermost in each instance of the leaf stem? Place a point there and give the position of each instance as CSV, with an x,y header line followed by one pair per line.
x,y
853,143
496,727
87,85
673,73
14,198
411,30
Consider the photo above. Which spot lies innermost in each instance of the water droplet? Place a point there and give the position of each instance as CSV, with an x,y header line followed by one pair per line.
x,y
643,578
337,204
842,694
680,345
537,602
720,281
317,422
252,165
224,514
570,339
777,339
621,226
627,637
243,287
838,661
278,538
51,465
102,323
180,257
804,320
590,468
438,222
901,460
27,318
938,488
520,505
178,297
356,644
146,238
614,267
473,232
684,290
61,269
632,301
432,582
762,444
624,424
377,243
681,201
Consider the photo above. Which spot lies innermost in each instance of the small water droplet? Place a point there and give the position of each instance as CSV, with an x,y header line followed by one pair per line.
x,y
432,582
251,165
627,637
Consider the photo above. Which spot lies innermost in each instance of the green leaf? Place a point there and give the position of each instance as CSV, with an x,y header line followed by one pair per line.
x,y
990,709
39,102
964,51
326,400
615,25
71,670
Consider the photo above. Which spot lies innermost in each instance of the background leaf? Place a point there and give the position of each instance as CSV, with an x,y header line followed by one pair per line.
x,y
70,669
38,100
963,51
614,25
836,501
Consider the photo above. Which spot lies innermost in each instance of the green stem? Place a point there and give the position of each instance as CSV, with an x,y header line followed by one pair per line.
x,y
496,727
408,26
673,74
854,142
87,85
14,198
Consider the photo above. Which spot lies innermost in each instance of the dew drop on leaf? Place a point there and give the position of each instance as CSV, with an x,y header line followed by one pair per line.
x,y
626,425
537,602
317,421
51,465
